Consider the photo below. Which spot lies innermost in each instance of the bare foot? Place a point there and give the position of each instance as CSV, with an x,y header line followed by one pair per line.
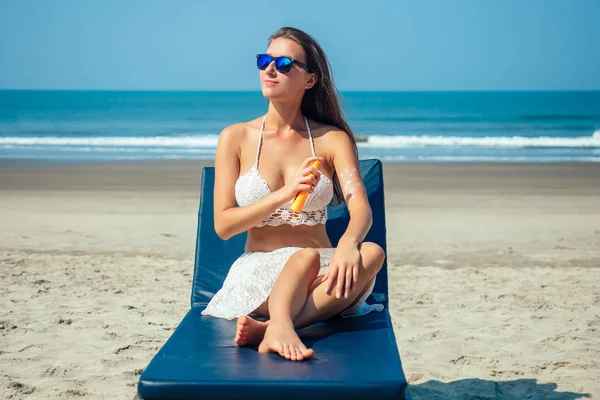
x,y
249,331
283,340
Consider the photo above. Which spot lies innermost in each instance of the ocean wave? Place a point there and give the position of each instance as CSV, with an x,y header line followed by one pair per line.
x,y
592,141
107,149
375,141
485,118
118,141
559,117
400,158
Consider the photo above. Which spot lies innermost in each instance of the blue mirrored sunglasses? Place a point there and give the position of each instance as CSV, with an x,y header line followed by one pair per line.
x,y
282,64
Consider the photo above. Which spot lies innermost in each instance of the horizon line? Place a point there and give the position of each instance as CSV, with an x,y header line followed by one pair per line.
x,y
259,91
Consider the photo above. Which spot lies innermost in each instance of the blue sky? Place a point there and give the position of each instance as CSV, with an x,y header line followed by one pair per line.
x,y
372,45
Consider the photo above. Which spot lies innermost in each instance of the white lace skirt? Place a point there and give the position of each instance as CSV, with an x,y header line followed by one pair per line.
x,y
252,276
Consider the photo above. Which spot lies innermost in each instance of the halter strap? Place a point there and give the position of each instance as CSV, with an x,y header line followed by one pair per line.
x,y
312,145
262,126
260,136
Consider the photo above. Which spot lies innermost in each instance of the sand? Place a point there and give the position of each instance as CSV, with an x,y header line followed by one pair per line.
x,y
494,274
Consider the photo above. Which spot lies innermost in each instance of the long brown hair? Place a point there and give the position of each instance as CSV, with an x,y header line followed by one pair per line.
x,y
322,102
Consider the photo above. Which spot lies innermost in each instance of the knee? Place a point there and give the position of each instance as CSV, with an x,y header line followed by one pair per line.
x,y
309,258
373,256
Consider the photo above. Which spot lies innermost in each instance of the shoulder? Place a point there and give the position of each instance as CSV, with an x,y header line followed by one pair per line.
x,y
332,137
235,135
234,132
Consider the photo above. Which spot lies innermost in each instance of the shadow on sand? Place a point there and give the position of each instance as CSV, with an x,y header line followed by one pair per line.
x,y
479,389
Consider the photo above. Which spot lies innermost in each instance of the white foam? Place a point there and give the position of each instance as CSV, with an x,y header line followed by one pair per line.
x,y
490,142
377,141
488,159
107,149
119,141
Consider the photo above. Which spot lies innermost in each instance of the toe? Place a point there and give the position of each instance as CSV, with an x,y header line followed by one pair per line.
x,y
288,352
293,352
308,353
244,322
283,350
280,349
263,347
299,356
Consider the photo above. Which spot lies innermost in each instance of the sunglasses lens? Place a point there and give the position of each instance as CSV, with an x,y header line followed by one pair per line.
x,y
283,64
263,61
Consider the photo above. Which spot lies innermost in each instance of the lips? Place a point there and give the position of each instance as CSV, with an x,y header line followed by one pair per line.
x,y
267,82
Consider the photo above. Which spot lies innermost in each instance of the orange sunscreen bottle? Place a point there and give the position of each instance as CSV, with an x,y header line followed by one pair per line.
x,y
300,198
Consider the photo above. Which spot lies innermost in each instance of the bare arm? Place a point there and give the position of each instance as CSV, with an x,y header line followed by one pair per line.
x,y
231,220
355,195
342,274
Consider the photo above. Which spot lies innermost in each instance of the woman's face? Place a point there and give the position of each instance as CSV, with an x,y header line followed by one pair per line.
x,y
278,85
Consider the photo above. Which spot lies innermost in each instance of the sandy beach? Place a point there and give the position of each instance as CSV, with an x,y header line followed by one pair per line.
x,y
494,276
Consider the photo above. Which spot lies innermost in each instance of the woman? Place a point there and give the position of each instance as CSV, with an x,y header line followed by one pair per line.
x,y
289,271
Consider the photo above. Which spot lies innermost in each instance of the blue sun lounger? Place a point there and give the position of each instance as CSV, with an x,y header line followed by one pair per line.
x,y
355,358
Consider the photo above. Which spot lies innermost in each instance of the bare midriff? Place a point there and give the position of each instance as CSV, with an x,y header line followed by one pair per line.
x,y
269,238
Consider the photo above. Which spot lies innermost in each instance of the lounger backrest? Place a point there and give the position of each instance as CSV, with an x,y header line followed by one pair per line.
x,y
214,256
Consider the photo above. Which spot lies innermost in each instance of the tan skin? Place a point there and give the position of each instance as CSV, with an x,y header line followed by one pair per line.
x,y
299,297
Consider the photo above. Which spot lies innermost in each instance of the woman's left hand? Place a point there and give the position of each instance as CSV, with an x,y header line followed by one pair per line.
x,y
342,274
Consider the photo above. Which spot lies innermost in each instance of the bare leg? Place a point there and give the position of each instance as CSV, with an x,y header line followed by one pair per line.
x,y
319,305
286,300
249,331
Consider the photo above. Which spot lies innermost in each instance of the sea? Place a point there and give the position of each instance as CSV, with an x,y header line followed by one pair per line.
x,y
83,126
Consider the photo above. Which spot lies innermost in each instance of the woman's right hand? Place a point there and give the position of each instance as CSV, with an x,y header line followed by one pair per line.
x,y
302,180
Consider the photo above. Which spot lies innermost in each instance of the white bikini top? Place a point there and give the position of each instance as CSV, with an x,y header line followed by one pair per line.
x,y
251,187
